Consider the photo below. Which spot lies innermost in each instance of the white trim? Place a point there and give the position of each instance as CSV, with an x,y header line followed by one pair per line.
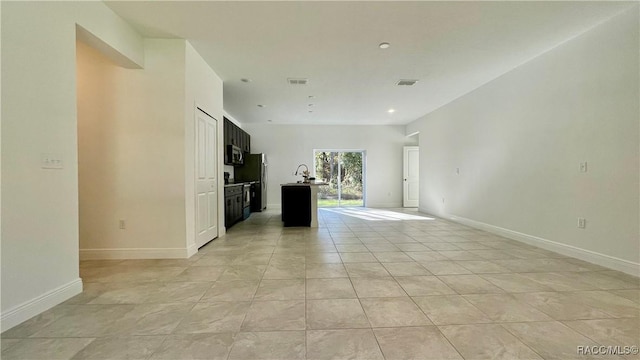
x,y
37,305
192,250
608,261
133,253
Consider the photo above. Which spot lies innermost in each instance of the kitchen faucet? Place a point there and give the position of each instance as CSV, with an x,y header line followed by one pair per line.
x,y
305,166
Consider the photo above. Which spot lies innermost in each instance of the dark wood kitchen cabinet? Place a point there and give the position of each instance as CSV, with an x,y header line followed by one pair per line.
x,y
234,135
233,205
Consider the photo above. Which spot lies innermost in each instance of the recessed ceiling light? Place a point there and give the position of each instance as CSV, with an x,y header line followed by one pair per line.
x,y
245,80
260,105
311,96
390,111
384,45
310,105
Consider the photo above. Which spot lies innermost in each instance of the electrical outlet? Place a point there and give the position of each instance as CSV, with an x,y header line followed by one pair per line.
x,y
583,166
582,223
122,224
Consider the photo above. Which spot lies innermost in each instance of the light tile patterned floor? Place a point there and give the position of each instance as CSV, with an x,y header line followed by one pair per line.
x,y
368,284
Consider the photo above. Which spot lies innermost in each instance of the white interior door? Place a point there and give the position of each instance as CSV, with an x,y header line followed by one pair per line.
x,y
411,177
206,180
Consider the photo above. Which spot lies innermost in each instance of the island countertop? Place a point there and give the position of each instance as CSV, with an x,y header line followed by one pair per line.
x,y
306,184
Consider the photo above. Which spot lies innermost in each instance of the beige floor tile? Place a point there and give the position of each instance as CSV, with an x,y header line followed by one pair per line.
x,y
342,344
561,306
217,260
515,283
380,287
357,257
392,257
195,347
506,308
487,341
49,349
337,288
424,285
344,248
483,267
607,302
39,322
252,259
447,267
269,345
442,246
633,295
366,270
129,347
150,319
86,321
375,248
323,258
450,309
393,312
335,314
215,317
200,273
493,254
275,315
415,343
406,269
470,284
281,290
561,281
551,340
323,271
609,331
243,272
239,290
424,256
460,255
129,293
283,269
412,247
5,344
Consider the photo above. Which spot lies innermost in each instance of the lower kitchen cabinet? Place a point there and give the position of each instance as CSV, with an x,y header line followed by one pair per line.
x,y
233,205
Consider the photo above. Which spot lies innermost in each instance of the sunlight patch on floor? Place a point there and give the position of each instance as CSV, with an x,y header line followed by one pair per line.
x,y
375,214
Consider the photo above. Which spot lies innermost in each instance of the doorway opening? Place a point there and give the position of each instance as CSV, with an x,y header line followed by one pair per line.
x,y
343,170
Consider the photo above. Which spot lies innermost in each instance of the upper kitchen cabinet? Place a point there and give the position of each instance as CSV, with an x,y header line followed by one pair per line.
x,y
234,135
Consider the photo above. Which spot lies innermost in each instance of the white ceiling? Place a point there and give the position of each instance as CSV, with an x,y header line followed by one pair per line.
x,y
451,47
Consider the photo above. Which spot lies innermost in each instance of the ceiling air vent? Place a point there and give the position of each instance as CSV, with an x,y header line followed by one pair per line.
x,y
297,81
406,82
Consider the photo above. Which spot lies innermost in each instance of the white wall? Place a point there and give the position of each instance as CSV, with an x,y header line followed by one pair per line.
x,y
203,89
287,146
519,139
131,153
40,207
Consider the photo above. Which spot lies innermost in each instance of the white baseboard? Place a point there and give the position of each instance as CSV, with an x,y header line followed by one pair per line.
x,y
135,253
35,306
593,257
192,250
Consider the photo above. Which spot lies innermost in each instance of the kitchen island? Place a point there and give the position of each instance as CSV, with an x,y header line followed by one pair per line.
x,y
300,203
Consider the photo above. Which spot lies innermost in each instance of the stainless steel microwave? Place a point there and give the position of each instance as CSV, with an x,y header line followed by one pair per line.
x,y
234,155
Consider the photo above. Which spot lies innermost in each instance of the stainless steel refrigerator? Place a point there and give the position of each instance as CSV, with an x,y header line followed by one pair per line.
x,y
254,170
